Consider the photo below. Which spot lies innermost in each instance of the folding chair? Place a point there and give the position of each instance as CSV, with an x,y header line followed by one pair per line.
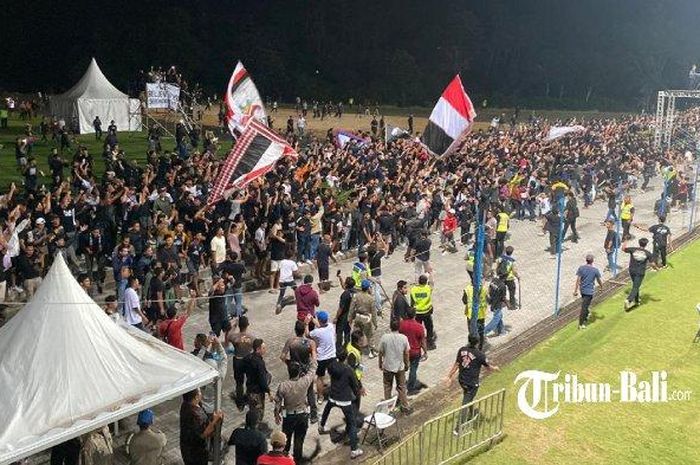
x,y
381,419
697,335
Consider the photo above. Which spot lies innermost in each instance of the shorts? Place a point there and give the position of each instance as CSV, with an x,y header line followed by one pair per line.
x,y
218,326
275,265
323,367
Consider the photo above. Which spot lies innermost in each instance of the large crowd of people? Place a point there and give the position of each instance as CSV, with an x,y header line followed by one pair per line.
x,y
152,225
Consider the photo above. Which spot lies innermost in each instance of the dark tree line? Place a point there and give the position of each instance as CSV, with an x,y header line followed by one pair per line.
x,y
604,53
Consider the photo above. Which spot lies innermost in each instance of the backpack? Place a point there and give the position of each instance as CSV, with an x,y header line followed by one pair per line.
x,y
503,267
495,292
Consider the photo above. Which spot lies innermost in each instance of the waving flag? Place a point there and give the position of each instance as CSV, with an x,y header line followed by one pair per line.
x,y
393,133
243,101
257,150
451,118
556,132
342,137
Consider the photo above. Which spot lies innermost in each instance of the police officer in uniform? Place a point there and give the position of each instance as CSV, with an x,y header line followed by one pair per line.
x,y
292,405
363,314
422,301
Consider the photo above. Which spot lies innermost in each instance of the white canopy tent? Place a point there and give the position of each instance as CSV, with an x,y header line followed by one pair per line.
x,y
94,96
66,369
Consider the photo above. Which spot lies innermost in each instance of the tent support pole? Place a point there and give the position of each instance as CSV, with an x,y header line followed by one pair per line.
x,y
216,453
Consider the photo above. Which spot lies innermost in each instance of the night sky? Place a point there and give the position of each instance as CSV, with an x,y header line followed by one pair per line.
x,y
600,53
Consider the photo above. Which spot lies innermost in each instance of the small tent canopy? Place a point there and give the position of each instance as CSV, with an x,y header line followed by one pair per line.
x,y
94,96
66,369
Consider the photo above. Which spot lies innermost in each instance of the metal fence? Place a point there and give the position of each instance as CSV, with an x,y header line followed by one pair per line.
x,y
452,435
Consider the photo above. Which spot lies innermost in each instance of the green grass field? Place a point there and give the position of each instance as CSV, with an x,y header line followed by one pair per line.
x,y
654,336
134,145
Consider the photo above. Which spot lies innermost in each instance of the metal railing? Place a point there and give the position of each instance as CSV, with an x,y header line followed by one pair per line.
x,y
452,435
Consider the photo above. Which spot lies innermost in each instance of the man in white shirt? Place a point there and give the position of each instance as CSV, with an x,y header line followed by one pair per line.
x,y
131,309
324,336
218,249
288,268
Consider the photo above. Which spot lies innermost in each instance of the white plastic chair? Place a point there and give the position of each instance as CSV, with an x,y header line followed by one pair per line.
x,y
381,419
697,335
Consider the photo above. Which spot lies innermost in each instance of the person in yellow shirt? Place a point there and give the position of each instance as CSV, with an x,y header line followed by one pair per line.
x,y
502,224
626,217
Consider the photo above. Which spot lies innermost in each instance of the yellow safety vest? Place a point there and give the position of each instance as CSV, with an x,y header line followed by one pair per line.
x,y
626,211
351,349
470,261
483,302
502,222
422,298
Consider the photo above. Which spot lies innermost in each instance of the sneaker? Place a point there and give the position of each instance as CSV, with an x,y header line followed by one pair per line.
x,y
278,309
356,453
627,305
313,419
372,354
310,262
322,429
581,326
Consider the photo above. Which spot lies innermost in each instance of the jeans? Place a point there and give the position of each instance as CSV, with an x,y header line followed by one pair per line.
x,y
412,383
303,247
659,254
315,240
496,323
238,298
345,242
295,425
342,333
636,284
611,260
349,412
377,294
585,305
468,395
283,289
510,285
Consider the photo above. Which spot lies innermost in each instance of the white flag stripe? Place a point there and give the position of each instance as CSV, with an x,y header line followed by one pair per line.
x,y
448,119
273,153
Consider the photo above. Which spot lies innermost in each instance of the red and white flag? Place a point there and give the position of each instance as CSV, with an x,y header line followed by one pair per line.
x,y
243,101
257,150
451,118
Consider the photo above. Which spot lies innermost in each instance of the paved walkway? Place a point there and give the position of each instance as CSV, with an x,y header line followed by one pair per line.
x,y
537,270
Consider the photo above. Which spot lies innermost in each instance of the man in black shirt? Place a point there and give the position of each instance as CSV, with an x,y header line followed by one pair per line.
x,y
611,244
422,256
639,259
257,381
249,442
218,319
323,256
399,302
342,326
661,238
468,363
552,226
235,269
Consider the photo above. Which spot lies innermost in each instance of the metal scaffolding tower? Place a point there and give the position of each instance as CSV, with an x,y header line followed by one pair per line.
x,y
666,114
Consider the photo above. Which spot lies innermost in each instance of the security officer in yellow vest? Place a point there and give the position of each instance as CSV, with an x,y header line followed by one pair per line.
x,y
506,268
503,220
422,301
468,301
626,217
